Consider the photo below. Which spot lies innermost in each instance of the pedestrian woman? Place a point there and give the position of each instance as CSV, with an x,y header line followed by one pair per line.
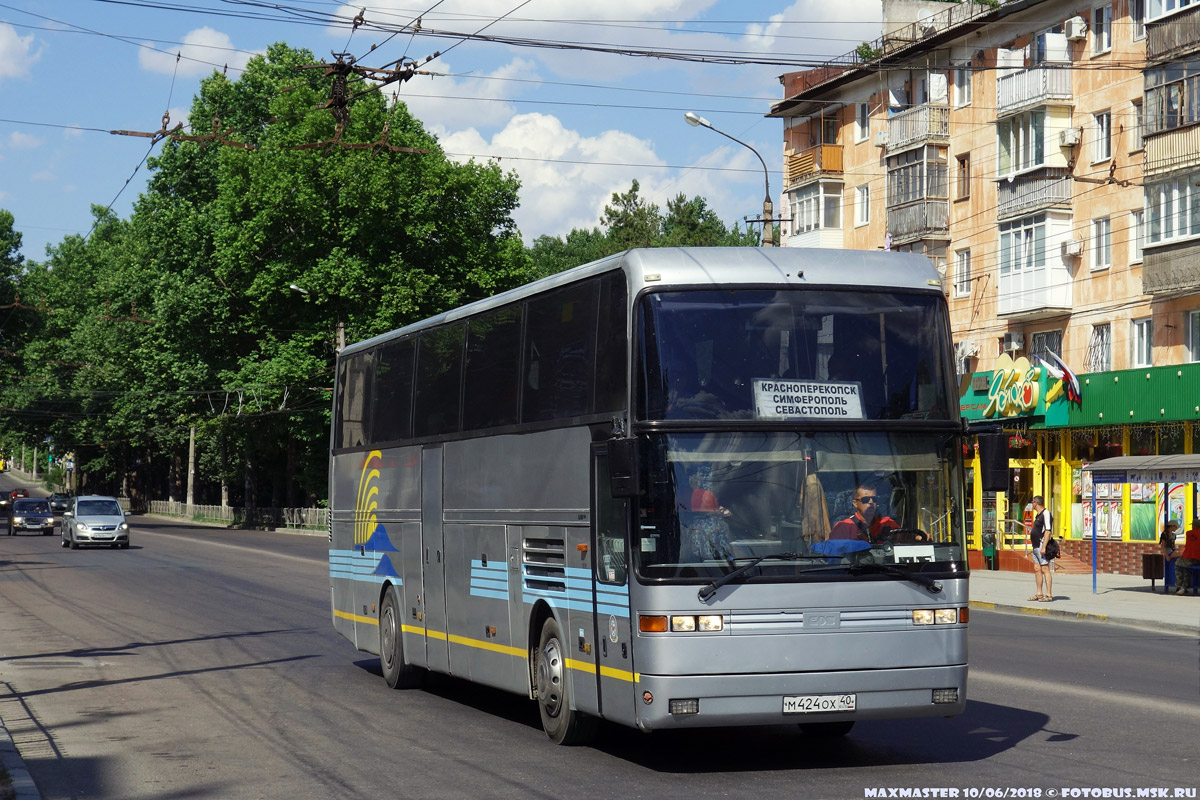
x,y
1166,541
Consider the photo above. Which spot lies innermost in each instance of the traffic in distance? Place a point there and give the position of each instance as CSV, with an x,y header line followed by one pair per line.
x,y
85,520
620,491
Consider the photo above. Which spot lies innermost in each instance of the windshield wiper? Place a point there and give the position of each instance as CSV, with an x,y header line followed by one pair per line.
x,y
932,585
707,592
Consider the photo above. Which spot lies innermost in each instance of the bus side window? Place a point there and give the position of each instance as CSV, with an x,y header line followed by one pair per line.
x,y
354,407
611,344
391,399
439,378
492,369
612,564
560,346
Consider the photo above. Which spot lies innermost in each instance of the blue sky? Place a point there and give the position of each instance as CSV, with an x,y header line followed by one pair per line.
x,y
575,125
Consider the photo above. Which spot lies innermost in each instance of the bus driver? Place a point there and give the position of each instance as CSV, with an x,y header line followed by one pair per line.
x,y
865,523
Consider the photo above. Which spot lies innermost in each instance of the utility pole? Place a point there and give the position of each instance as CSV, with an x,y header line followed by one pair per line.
x,y
35,462
191,476
341,337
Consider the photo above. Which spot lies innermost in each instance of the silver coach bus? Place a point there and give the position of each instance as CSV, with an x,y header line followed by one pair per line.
x,y
672,488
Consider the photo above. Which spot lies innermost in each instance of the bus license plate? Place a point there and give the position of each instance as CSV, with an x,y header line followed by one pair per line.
x,y
813,703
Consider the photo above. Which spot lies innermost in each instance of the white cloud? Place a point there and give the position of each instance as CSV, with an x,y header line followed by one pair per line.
x,y
203,50
456,103
23,141
44,176
16,53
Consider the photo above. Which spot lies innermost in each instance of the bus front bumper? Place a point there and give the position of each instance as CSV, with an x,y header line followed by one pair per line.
x,y
727,700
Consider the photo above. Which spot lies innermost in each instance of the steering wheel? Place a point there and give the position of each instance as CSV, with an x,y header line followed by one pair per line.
x,y
904,536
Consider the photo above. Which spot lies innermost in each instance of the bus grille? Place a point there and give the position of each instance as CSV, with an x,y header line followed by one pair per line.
x,y
545,564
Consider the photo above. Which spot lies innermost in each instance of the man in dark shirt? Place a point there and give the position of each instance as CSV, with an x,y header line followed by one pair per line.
x,y
865,523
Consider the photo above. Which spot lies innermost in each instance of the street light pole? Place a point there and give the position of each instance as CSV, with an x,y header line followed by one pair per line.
x,y
694,120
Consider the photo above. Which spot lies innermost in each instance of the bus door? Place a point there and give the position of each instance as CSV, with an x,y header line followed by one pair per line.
x,y
433,561
614,634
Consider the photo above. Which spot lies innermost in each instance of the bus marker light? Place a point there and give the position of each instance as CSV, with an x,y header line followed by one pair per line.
x,y
652,624
581,548
685,624
922,616
946,616
945,696
647,698
964,615
690,705
710,622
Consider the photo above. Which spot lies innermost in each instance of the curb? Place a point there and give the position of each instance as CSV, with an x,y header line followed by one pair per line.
x,y
1082,616
224,527
23,787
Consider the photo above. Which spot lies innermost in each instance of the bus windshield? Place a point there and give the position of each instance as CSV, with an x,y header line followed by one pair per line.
x,y
713,500
763,354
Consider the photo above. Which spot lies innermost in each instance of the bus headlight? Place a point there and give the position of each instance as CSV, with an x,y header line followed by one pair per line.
x,y
923,616
939,616
945,616
710,622
683,624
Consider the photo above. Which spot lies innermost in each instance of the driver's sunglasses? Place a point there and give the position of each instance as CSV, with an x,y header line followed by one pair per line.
x,y
867,500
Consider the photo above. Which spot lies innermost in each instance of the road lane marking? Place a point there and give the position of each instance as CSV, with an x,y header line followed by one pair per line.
x,y
1137,701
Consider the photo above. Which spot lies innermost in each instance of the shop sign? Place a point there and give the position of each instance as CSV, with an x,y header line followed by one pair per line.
x,y
1015,388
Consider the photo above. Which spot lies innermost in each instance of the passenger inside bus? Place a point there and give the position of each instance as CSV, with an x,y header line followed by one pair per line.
x,y
705,533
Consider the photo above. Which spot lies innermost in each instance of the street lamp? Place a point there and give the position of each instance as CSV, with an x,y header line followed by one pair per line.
x,y
694,120
299,289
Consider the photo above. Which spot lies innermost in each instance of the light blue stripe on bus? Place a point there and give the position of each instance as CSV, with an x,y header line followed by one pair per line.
x,y
575,605
484,583
364,578
485,593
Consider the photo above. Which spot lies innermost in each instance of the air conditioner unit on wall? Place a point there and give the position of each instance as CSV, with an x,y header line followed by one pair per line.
x,y
1072,248
881,138
1068,137
1076,29
1012,342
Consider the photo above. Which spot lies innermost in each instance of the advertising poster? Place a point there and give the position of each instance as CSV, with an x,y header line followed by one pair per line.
x,y
1135,491
1087,521
1103,491
1087,484
1115,528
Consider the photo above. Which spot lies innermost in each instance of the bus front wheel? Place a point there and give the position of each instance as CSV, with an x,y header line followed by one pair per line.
x,y
828,730
563,724
391,646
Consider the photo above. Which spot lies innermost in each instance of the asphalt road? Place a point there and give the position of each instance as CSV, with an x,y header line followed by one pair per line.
x,y
202,663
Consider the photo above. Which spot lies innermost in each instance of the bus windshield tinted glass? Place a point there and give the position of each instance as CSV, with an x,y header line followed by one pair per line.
x,y
760,354
712,500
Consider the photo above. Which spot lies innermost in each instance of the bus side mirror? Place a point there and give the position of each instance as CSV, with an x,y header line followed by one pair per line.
x,y
623,468
993,462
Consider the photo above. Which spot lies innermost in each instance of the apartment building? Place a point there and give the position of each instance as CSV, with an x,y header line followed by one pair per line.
x,y
1045,155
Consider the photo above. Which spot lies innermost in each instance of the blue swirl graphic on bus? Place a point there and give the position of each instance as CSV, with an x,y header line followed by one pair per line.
x,y
368,530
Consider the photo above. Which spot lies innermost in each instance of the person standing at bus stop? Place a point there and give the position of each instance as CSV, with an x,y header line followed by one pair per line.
x,y
1190,557
1038,536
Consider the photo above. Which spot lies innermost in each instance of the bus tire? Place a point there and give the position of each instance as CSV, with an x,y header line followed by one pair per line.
x,y
827,730
563,724
391,646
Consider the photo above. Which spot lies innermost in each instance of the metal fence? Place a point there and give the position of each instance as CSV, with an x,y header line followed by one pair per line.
x,y
316,519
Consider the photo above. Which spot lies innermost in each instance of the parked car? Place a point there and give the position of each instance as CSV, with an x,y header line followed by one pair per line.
x,y
93,519
58,502
31,514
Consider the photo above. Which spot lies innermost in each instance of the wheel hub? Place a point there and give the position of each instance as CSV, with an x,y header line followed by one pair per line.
x,y
550,677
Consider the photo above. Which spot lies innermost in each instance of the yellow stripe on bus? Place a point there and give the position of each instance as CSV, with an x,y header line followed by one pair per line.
x,y
479,644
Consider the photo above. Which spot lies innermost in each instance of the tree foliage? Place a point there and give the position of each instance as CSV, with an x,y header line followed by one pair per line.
x,y
630,221
182,316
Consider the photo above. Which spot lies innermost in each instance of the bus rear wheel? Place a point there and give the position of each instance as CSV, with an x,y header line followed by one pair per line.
x,y
391,646
563,724
828,730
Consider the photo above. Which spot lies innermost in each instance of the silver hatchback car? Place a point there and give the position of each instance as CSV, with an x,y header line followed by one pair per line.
x,y
94,520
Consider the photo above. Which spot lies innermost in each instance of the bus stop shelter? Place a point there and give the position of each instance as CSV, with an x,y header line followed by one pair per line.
x,y
1140,469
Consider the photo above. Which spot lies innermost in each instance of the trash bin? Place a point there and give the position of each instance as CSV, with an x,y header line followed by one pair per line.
x,y
989,549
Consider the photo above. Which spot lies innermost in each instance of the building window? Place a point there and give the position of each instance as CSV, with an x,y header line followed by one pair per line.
x,y
1162,8
1102,147
917,174
1021,142
1022,245
1043,343
829,129
1173,209
962,87
1194,336
862,205
1101,243
862,122
818,205
1143,343
1138,127
1137,15
963,182
1172,96
1101,29
962,273
1137,234
1099,353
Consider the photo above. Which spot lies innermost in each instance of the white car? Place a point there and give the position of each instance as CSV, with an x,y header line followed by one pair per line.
x,y
94,520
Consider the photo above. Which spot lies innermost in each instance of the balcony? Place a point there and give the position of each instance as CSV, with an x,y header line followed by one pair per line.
x,y
1049,187
923,219
1172,269
810,164
919,124
1174,36
1035,292
1171,150
1036,86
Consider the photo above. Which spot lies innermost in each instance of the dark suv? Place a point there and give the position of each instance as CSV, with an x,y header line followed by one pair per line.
x,y
31,514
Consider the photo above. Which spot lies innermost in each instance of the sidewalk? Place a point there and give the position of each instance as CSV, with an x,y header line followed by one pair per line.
x,y
1120,599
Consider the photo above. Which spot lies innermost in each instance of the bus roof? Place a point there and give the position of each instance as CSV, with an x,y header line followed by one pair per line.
x,y
708,266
